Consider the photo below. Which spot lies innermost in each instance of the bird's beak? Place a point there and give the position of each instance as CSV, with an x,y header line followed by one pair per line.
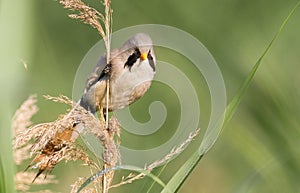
x,y
144,56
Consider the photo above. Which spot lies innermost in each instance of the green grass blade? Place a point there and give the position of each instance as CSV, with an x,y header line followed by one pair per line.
x,y
2,179
235,101
159,173
177,180
15,37
181,175
123,167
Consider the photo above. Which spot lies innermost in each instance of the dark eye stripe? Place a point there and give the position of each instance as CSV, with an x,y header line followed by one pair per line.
x,y
132,58
151,61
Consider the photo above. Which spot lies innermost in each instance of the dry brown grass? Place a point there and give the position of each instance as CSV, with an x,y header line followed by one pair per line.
x,y
92,17
56,141
20,123
174,152
103,24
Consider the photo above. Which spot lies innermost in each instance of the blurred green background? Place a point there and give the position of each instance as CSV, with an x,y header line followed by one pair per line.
x,y
257,152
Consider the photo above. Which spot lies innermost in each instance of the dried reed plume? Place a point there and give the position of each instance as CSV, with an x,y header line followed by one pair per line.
x,y
94,18
103,24
55,141
20,123
174,152
133,177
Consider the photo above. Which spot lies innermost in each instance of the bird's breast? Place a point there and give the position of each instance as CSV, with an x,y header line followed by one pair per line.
x,y
130,85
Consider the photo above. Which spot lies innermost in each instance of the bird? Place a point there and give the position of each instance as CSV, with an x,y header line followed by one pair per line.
x,y
130,72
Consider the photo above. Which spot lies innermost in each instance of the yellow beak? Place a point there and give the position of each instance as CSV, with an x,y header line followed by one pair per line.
x,y
144,56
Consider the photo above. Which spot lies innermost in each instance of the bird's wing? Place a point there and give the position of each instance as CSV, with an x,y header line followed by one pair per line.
x,y
100,71
96,85
96,74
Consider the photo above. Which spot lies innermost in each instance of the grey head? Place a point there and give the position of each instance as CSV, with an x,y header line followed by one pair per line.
x,y
135,47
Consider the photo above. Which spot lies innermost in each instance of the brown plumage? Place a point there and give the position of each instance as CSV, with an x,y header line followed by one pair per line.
x,y
130,72
51,154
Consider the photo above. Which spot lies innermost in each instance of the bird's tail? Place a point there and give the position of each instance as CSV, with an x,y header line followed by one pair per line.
x,y
87,105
